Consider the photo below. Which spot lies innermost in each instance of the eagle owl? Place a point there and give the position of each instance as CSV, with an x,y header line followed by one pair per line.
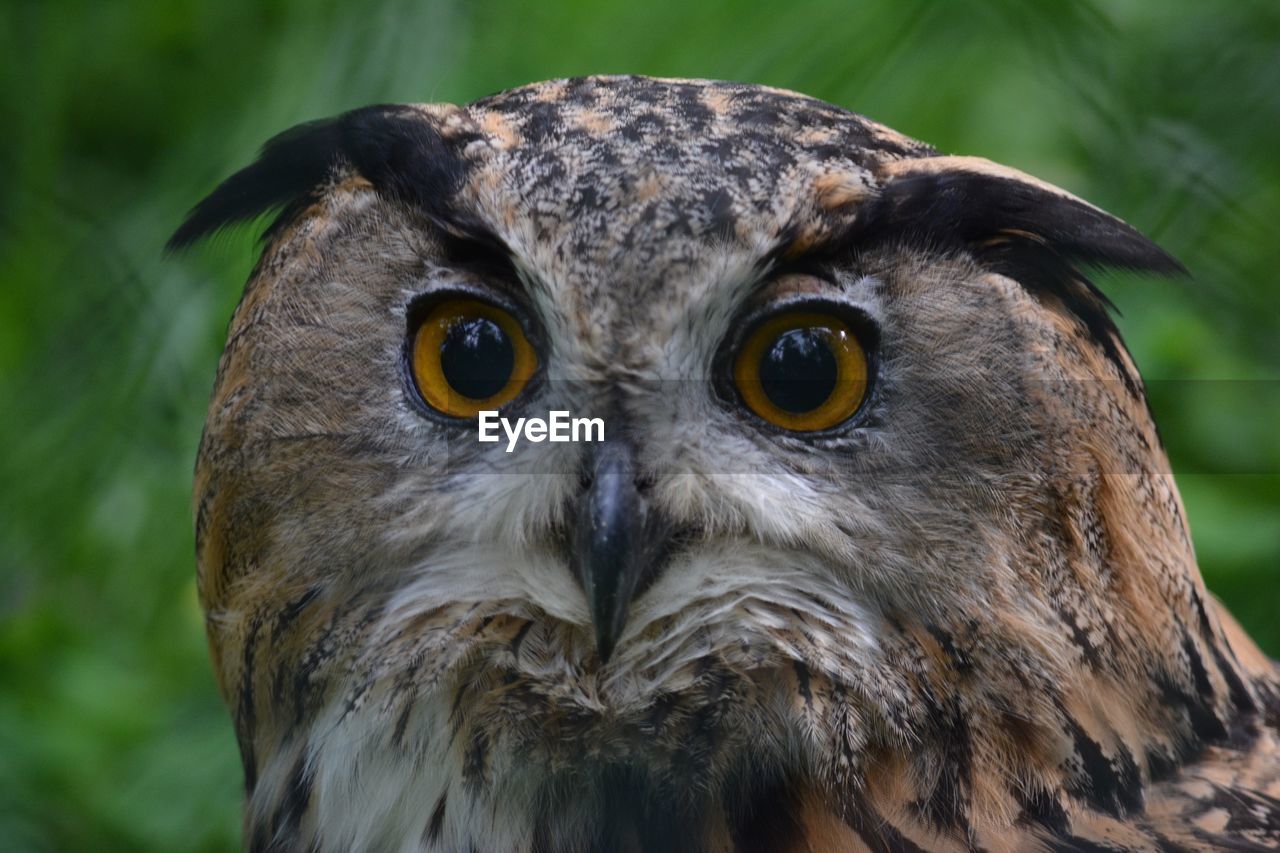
x,y
880,549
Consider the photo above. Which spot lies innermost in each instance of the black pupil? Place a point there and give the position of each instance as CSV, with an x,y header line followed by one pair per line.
x,y
476,358
798,372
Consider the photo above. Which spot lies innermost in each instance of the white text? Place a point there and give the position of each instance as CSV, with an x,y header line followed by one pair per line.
x,y
558,426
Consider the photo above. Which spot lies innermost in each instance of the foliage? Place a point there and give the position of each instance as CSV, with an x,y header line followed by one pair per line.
x,y
118,116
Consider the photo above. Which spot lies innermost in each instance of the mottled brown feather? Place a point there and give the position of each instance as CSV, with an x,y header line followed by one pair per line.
x,y
973,622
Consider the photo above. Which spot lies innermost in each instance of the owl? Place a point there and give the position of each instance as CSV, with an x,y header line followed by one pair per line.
x,y
877,548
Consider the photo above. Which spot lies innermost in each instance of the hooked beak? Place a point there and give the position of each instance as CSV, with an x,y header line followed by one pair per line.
x,y
618,544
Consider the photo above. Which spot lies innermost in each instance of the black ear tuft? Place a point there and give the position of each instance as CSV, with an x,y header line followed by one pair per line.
x,y
1030,231
974,201
291,165
395,148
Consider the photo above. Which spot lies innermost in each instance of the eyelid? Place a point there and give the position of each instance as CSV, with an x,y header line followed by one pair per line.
x,y
507,298
787,285
825,299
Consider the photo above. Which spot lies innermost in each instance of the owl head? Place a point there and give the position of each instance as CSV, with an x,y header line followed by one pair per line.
x,y
877,530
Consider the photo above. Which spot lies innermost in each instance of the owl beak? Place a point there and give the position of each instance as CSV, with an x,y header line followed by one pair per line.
x,y
619,542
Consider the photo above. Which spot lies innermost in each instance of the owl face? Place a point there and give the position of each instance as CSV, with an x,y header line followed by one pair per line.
x,y
867,430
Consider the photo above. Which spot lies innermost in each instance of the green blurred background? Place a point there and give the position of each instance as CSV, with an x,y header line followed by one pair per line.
x,y
116,117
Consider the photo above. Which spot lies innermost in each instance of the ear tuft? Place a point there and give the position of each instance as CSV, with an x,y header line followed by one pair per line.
x,y
974,200
290,166
396,148
1020,227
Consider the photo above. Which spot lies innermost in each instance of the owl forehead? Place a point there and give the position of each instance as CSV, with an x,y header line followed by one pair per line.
x,y
635,178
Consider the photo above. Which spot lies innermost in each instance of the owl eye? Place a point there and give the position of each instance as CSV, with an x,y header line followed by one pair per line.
x,y
469,356
802,371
